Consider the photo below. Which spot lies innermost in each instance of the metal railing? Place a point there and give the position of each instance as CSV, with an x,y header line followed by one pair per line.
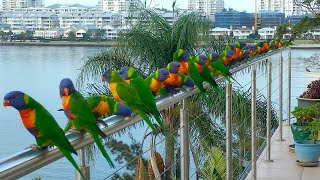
x,y
22,163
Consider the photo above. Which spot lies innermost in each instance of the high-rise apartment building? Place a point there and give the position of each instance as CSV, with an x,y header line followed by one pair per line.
x,y
289,7
12,4
207,6
117,5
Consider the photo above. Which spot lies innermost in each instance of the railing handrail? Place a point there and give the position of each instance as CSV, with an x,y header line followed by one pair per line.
x,y
24,162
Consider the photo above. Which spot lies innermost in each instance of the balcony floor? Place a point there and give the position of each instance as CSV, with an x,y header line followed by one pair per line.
x,y
284,165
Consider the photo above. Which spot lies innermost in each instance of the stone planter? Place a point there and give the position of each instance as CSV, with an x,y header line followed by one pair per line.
x,y
307,102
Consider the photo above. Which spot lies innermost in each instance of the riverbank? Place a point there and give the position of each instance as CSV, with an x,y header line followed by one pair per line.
x,y
58,43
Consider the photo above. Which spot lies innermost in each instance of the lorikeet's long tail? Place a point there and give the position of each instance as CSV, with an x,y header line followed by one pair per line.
x,y
215,86
147,120
98,141
156,115
228,77
68,155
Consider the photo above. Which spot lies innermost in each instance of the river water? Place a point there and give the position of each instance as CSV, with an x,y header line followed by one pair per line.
x,y
37,71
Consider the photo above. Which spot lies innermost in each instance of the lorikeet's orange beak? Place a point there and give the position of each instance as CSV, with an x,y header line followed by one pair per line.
x,y
6,103
66,91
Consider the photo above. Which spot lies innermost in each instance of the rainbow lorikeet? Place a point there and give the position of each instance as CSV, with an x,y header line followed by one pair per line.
x,y
224,71
41,124
80,114
175,79
205,72
144,92
156,80
225,56
125,93
104,105
195,75
181,56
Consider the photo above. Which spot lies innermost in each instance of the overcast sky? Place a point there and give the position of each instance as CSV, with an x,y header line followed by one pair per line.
x,y
240,5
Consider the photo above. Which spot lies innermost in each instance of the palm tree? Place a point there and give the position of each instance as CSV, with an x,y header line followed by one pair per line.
x,y
149,45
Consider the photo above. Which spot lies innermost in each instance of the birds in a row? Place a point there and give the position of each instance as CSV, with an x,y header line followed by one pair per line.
x,y
131,93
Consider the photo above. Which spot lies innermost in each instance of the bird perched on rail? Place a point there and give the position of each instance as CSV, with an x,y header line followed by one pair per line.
x,y
144,92
125,93
41,124
80,114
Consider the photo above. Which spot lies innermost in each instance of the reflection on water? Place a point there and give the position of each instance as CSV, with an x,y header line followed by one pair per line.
x,y
38,71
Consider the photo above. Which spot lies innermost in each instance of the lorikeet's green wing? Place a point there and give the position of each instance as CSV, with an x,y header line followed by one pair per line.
x,y
147,99
131,97
206,75
219,66
194,74
84,119
52,133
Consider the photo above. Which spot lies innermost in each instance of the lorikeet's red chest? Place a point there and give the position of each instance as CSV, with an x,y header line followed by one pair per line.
x,y
208,62
199,67
66,107
225,60
179,82
183,69
155,85
28,117
102,108
172,79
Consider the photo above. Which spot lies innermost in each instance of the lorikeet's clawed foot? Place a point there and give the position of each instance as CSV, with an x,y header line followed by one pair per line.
x,y
74,131
36,147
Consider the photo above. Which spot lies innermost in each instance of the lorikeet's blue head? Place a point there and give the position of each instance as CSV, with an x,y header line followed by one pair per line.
x,y
162,74
15,99
124,72
123,110
66,87
189,82
229,54
106,75
213,56
242,44
173,67
202,60
181,55
246,54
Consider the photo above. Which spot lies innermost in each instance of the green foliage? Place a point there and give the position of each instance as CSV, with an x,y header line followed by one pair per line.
x,y
215,166
305,115
71,36
282,29
314,127
254,35
305,24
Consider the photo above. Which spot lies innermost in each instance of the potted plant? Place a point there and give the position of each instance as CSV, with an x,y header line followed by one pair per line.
x,y
311,96
304,115
308,151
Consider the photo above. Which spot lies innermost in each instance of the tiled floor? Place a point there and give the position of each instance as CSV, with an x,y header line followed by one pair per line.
x,y
284,165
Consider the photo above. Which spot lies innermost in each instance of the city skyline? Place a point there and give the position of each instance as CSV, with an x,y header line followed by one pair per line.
x,y
243,5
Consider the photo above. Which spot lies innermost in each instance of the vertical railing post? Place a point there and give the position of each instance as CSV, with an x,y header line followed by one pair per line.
x,y
184,150
229,130
269,82
280,95
289,90
253,125
83,167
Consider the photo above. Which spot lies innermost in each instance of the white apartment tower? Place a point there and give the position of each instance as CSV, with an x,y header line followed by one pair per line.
x,y
289,7
207,6
12,4
117,5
